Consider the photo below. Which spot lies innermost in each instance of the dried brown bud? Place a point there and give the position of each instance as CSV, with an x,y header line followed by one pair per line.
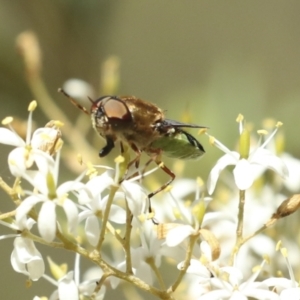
x,y
214,244
288,207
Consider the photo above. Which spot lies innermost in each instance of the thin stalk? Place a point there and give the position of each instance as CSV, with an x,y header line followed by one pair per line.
x,y
186,264
111,197
151,263
126,244
239,229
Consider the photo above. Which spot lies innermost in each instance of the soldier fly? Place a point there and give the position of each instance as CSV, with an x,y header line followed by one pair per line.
x,y
143,127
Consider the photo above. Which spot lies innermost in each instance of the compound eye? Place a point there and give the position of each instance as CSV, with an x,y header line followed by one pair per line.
x,y
116,109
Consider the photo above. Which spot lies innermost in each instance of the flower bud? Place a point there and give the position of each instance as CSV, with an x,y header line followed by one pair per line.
x,y
244,144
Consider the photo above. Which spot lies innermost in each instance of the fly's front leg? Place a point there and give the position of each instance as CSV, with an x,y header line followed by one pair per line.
x,y
134,161
108,147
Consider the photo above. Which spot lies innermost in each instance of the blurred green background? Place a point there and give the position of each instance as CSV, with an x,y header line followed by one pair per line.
x,y
212,59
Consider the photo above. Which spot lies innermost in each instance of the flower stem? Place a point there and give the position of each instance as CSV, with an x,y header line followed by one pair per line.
x,y
126,244
239,229
151,263
112,193
186,264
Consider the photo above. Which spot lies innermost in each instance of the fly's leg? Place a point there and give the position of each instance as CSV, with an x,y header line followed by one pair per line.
x,y
172,177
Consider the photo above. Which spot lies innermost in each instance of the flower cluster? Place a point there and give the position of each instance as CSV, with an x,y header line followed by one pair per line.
x,y
214,246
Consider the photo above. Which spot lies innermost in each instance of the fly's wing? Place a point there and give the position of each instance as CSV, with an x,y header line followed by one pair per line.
x,y
181,145
175,124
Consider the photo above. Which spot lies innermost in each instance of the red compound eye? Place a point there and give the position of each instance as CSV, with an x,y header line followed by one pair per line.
x,y
115,108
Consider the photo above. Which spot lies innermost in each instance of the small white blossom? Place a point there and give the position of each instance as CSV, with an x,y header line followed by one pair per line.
x,y
27,152
70,287
95,205
292,183
50,196
246,170
287,288
235,288
26,259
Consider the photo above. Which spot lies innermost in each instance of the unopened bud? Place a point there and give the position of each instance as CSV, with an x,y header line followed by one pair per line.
x,y
29,48
288,207
58,271
244,143
212,241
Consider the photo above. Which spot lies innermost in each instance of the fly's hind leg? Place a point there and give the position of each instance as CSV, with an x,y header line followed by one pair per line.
x,y
172,177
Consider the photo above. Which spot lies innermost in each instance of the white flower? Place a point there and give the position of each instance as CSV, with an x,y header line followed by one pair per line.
x,y
70,287
29,151
287,288
26,259
95,205
189,219
292,183
136,197
50,196
234,288
246,170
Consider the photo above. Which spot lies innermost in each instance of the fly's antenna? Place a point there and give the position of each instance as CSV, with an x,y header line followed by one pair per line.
x,y
74,102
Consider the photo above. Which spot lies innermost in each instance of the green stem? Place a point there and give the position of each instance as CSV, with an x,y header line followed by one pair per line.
x,y
186,264
126,244
239,229
111,196
151,263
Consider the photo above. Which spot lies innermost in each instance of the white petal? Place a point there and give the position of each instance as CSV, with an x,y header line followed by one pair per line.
x,y
176,235
196,268
135,196
17,161
44,161
25,253
92,230
266,158
235,275
42,136
16,264
226,160
292,293
69,186
37,180
67,288
25,249
84,214
237,295
262,294
47,221
243,175
117,214
23,209
293,181
9,137
36,268
278,282
84,196
99,183
71,212
216,295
